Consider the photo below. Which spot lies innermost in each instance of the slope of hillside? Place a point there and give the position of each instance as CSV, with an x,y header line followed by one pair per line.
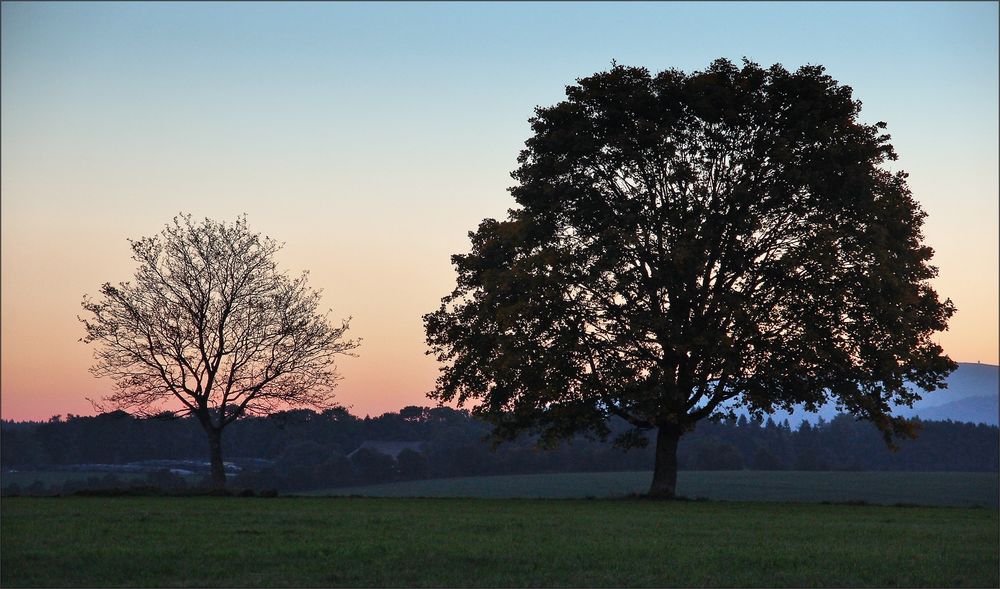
x,y
969,380
982,409
973,395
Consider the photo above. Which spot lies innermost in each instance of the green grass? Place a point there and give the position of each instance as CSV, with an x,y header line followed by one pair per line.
x,y
208,541
48,478
921,488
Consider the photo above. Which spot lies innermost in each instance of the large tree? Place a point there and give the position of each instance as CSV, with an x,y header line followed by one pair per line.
x,y
686,244
212,328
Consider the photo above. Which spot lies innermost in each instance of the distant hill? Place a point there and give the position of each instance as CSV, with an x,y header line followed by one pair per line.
x,y
973,395
970,380
983,409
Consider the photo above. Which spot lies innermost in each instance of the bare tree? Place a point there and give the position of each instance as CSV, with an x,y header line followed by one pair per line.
x,y
213,326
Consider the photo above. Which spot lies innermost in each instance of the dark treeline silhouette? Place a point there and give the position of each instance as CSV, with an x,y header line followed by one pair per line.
x,y
302,449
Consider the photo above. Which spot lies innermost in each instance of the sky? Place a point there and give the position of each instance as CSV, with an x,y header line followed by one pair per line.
x,y
371,137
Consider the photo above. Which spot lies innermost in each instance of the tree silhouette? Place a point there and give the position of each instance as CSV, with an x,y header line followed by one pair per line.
x,y
685,243
212,325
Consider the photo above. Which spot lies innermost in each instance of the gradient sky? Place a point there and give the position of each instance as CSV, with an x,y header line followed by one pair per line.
x,y
371,138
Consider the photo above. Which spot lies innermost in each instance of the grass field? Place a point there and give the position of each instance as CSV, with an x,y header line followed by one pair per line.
x,y
58,477
921,488
208,541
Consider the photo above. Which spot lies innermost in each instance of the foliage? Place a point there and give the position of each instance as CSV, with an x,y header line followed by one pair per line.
x,y
211,326
687,240
373,465
412,465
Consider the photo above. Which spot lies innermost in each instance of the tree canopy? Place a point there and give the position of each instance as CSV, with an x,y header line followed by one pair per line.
x,y
685,243
212,326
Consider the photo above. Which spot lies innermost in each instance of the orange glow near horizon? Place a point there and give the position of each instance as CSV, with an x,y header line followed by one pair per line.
x,y
370,138
46,373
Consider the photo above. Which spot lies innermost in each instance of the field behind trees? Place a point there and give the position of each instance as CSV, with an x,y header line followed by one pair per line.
x,y
217,541
889,488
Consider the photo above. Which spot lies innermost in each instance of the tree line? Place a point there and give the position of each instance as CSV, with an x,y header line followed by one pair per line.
x,y
303,449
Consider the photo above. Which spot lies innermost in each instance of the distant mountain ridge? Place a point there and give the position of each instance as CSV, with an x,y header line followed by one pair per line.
x,y
970,409
973,396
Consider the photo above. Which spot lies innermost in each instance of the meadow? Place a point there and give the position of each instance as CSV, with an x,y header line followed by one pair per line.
x,y
25,478
919,488
343,541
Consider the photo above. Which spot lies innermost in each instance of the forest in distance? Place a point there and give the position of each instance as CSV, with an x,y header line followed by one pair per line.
x,y
302,449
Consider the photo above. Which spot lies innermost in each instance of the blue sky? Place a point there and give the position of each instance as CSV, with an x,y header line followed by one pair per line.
x,y
370,137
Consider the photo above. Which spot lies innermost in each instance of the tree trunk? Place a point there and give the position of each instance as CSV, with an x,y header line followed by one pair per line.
x,y
665,469
215,450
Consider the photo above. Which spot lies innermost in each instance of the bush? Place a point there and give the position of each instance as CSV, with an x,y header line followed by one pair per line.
x,y
412,465
373,466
